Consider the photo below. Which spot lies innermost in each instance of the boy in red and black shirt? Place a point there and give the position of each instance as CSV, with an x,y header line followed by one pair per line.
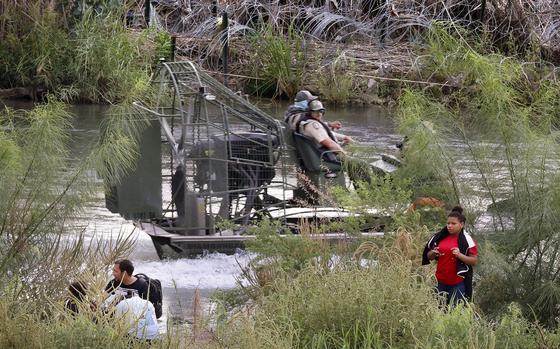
x,y
455,252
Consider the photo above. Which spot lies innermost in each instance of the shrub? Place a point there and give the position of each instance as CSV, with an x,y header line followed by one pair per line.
x,y
278,60
89,57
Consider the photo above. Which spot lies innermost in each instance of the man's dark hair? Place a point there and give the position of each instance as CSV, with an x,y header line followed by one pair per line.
x,y
125,265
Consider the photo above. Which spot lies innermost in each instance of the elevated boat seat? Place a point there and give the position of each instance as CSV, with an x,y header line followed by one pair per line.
x,y
314,159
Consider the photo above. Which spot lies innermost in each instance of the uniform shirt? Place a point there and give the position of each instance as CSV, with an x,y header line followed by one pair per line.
x,y
446,271
314,130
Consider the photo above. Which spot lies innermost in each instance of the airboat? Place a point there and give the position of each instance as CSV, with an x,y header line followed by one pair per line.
x,y
223,162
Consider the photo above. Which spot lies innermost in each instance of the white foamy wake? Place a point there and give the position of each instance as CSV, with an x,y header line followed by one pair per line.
x,y
212,271
215,270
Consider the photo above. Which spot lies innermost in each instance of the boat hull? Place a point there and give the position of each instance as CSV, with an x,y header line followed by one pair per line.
x,y
170,245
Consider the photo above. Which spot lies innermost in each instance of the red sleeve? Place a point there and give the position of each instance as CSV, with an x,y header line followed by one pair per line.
x,y
472,251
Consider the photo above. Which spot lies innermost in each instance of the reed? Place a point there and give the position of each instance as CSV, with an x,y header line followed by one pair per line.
x,y
382,299
107,58
336,82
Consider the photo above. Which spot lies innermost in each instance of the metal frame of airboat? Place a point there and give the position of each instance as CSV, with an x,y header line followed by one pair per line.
x,y
229,151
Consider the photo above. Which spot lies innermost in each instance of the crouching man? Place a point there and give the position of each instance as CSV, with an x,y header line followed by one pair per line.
x,y
138,315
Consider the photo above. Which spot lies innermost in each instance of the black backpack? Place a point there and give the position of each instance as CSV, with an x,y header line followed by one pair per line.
x,y
155,296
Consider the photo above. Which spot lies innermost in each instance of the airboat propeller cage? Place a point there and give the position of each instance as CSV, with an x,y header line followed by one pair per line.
x,y
225,155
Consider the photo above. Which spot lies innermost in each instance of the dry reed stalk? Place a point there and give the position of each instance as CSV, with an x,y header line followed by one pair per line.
x,y
197,316
366,249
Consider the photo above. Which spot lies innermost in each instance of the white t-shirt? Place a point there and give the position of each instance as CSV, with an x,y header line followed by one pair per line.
x,y
140,315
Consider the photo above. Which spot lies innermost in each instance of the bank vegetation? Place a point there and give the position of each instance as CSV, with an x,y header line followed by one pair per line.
x,y
489,144
350,51
77,51
347,51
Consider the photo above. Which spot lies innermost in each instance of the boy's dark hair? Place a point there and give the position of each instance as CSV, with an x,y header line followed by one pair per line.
x,y
457,212
78,290
125,265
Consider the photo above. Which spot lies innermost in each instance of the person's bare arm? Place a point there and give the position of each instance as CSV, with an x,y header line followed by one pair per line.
x,y
347,140
331,145
335,125
470,260
344,139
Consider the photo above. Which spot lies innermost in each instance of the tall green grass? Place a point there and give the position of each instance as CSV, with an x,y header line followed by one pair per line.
x,y
335,80
108,60
24,327
278,61
383,299
34,48
91,57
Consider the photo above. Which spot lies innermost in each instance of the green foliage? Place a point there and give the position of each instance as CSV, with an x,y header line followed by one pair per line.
x,y
278,247
386,195
384,301
163,49
89,57
108,60
427,167
335,82
278,60
42,250
34,49
23,327
319,307
514,331
43,189
360,335
10,153
73,11
454,329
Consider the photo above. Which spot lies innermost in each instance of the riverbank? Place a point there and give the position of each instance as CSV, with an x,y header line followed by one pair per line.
x,y
491,135
347,53
339,73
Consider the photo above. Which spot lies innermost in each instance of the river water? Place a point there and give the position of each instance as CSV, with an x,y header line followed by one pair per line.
x,y
369,126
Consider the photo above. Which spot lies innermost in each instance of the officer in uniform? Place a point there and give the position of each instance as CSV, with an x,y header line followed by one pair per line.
x,y
315,128
299,109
